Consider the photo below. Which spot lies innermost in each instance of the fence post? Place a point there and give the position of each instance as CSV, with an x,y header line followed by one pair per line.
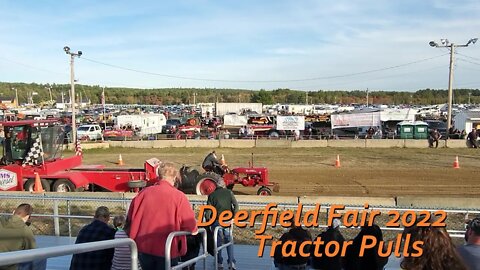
x,y
69,221
56,222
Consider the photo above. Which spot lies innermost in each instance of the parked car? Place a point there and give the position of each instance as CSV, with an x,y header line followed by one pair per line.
x,y
171,126
89,132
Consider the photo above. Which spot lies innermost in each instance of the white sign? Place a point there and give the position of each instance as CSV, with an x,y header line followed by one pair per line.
x,y
235,120
8,179
355,120
290,122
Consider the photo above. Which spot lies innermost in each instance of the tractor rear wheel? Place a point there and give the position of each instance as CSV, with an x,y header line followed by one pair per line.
x,y
264,191
30,185
63,185
207,183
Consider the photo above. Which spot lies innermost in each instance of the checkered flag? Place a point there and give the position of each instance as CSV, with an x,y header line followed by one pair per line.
x,y
35,155
78,148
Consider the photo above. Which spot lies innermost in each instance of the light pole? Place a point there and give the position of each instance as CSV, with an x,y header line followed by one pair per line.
x,y
452,46
72,89
49,88
16,96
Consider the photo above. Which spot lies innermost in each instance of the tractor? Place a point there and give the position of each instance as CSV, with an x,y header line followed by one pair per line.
x,y
203,184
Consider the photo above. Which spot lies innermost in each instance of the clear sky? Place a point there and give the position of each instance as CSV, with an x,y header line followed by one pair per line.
x,y
270,44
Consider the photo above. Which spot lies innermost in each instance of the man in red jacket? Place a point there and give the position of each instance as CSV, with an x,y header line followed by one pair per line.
x,y
156,212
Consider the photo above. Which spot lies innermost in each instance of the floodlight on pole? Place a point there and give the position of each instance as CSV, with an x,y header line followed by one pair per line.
x,y
446,44
72,89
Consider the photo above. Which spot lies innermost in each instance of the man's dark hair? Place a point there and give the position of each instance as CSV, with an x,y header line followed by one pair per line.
x,y
102,211
474,225
23,210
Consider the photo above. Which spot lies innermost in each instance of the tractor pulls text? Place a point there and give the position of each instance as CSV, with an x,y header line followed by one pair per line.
x,y
270,216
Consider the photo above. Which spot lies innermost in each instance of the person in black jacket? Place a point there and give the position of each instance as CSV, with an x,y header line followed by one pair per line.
x,y
298,235
472,138
324,262
370,260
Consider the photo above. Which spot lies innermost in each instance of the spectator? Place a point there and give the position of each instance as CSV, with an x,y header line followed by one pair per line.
x,y
241,132
438,250
298,235
223,200
193,248
122,255
433,137
226,134
472,138
470,252
97,230
156,212
15,234
370,259
324,262
296,134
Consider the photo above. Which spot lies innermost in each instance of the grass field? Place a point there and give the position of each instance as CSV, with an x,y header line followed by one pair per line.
x,y
363,172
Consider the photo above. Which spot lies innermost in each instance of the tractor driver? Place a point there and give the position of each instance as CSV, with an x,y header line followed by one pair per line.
x,y
212,164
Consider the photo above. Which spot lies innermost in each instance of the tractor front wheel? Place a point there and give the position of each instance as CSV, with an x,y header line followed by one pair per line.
x,y
63,185
264,191
30,185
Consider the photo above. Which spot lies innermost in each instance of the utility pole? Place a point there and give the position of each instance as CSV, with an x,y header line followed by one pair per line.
x,y
306,98
72,89
16,97
194,98
63,101
469,95
367,97
451,46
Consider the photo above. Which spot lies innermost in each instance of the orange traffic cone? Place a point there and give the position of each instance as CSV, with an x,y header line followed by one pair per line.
x,y
120,160
37,188
337,162
456,164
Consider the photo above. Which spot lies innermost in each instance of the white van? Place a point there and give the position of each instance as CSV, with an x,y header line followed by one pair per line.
x,y
93,132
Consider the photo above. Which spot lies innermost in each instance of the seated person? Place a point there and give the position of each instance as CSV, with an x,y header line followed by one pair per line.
x,y
211,164
298,235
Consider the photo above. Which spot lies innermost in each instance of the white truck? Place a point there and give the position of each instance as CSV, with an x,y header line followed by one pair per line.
x,y
143,124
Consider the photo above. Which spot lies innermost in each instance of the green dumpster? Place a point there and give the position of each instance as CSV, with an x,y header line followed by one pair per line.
x,y
405,130
420,130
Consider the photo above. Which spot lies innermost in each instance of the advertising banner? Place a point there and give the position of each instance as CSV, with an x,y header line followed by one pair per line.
x,y
8,179
234,120
290,122
355,120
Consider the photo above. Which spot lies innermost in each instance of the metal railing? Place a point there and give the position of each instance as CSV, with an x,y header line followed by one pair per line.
x,y
124,203
168,249
216,248
16,257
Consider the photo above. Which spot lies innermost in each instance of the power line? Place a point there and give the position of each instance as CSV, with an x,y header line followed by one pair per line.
x,y
31,67
261,81
471,57
468,61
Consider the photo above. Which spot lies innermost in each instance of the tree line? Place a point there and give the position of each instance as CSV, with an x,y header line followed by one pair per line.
x,y
40,93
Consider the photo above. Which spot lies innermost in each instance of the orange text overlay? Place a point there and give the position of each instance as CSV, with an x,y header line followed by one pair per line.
x,y
272,217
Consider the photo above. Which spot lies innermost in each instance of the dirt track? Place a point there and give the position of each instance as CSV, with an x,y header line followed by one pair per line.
x,y
363,172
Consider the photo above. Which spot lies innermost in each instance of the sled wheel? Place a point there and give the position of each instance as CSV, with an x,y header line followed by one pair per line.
x,y
63,185
30,185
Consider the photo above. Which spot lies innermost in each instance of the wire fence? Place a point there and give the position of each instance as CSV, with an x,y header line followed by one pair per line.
x,y
65,216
